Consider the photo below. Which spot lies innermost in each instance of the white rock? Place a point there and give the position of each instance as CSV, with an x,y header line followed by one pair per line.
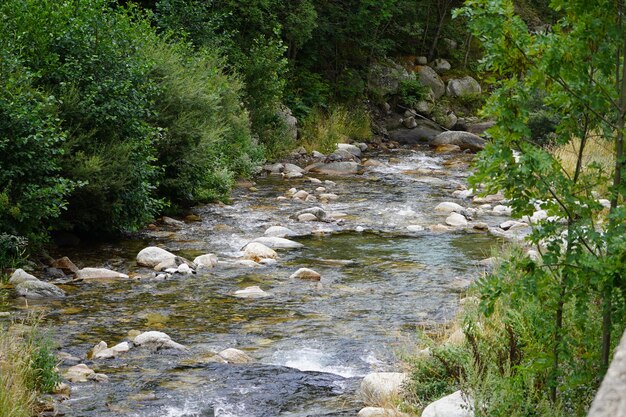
x,y
79,373
301,195
463,193
456,220
184,269
206,261
380,412
453,405
290,192
605,203
330,183
99,273
293,168
310,199
152,256
20,276
329,196
108,353
251,292
306,273
512,225
268,262
538,216
255,251
501,210
449,207
314,180
307,217
320,190
381,388
278,242
359,229
415,228
279,231
158,340
439,228
232,355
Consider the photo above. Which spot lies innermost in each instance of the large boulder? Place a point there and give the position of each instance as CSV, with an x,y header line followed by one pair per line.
x,y
206,261
425,131
385,77
428,77
441,65
38,290
456,220
278,242
256,251
380,388
99,273
20,276
453,405
152,256
463,140
65,265
449,207
463,87
335,168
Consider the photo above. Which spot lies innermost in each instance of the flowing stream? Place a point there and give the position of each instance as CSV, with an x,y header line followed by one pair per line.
x,y
312,341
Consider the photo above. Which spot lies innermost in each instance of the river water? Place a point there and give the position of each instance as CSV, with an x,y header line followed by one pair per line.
x,y
312,341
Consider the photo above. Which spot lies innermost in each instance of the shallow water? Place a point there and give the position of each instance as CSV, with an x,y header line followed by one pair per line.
x,y
312,342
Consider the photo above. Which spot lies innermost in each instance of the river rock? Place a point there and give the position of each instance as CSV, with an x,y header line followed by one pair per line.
x,y
292,168
440,65
373,163
184,269
335,168
463,87
99,273
456,220
307,217
157,340
232,355
463,140
278,242
20,276
256,251
449,207
502,210
61,388
426,130
428,77
384,77
82,373
380,388
152,256
101,351
251,292
300,195
380,412
512,225
65,265
328,197
354,150
409,122
207,261
453,405
38,290
306,273
414,228
173,263
318,212
172,222
276,168
279,231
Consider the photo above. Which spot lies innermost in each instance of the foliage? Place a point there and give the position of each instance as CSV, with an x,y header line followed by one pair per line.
x,y
323,130
411,91
571,301
27,368
12,251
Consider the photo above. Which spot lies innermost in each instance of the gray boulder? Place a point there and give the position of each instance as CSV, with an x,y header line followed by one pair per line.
x,y
384,77
37,290
463,140
354,150
335,168
20,276
453,405
152,256
428,77
462,87
441,65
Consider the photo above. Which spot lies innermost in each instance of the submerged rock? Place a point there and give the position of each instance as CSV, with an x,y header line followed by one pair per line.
x,y
152,256
278,242
232,355
306,273
453,405
381,388
252,292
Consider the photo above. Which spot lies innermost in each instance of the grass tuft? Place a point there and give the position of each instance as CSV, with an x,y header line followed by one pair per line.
x,y
322,130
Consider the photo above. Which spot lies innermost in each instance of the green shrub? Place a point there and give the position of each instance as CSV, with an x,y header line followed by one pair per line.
x,y
31,190
205,140
411,91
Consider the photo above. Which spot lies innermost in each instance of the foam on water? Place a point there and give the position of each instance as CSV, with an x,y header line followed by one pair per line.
x,y
310,359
